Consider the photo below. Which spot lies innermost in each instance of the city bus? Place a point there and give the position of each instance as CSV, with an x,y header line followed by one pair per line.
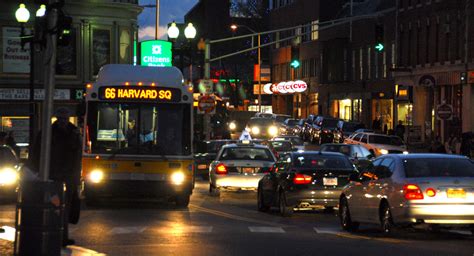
x,y
138,132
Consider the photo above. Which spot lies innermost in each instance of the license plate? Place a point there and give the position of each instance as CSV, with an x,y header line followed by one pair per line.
x,y
137,176
456,193
202,166
247,170
330,181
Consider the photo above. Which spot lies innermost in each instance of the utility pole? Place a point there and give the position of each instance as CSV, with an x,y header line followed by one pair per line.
x,y
157,19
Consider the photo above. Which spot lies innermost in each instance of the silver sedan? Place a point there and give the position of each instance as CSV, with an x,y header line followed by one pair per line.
x,y
240,167
434,190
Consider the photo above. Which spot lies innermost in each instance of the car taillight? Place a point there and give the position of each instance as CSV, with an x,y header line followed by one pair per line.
x,y
302,179
430,192
221,169
268,169
412,192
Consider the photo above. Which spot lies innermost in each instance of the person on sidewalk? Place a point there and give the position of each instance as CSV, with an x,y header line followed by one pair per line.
x,y
400,130
65,165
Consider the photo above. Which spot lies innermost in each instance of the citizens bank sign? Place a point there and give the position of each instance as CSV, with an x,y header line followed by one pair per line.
x,y
156,53
289,87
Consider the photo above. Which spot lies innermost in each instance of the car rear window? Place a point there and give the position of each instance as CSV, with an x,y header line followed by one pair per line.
x,y
246,153
385,140
328,122
293,122
325,162
439,167
344,149
281,145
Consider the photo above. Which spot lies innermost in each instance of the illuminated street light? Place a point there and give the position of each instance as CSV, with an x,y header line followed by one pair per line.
x,y
173,31
22,15
190,31
41,11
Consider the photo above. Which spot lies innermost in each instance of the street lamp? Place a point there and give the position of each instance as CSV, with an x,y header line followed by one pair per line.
x,y
234,27
190,31
173,31
22,15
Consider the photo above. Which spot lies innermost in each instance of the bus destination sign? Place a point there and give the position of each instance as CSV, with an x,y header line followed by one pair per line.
x,y
140,93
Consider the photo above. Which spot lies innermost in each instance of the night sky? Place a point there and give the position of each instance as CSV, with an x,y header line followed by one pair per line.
x,y
170,10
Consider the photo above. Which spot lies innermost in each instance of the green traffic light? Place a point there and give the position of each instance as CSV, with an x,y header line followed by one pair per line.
x,y
295,64
379,47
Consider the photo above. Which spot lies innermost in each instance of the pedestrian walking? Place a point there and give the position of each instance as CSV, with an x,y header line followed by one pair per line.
x,y
65,165
400,129
466,144
377,124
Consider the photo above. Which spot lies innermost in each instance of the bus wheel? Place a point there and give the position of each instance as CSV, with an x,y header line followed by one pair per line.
x,y
182,200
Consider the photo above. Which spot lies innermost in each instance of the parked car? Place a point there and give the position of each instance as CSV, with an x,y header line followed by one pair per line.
x,y
293,126
239,167
206,152
262,128
378,144
297,142
9,173
408,190
358,154
348,128
303,180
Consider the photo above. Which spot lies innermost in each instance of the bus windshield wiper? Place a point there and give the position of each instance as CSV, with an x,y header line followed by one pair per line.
x,y
121,150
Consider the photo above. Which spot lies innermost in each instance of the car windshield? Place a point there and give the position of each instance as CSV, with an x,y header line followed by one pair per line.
x,y
292,122
281,119
138,128
329,122
438,167
344,149
246,153
260,122
385,140
281,145
294,140
317,161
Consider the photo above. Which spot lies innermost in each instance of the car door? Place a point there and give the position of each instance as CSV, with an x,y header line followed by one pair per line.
x,y
376,187
368,177
271,181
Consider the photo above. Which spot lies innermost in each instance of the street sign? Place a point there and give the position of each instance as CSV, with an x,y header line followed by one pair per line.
x,y
444,112
206,86
206,105
156,53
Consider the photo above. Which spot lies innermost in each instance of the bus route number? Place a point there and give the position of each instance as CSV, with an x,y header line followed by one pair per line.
x,y
114,93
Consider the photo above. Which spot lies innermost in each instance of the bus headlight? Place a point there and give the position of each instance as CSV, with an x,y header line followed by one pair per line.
x,y
8,176
232,126
255,130
273,131
96,176
177,178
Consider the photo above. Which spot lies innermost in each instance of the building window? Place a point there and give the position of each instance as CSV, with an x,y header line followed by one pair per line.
x,y
100,49
436,41
401,48
376,64
418,43
384,65
393,56
369,64
66,61
353,69
448,43
346,52
125,49
409,48
427,43
460,42
314,30
361,64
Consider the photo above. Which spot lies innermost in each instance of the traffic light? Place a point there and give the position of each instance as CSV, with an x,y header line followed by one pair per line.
x,y
295,57
64,29
379,37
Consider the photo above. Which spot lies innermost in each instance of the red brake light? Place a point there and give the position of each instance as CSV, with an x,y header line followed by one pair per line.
x,y
302,179
412,192
221,169
430,192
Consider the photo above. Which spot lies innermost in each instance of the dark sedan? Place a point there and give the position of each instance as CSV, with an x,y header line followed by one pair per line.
x,y
358,154
206,152
305,180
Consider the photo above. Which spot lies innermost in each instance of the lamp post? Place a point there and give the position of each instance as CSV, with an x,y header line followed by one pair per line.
x,y
234,27
173,34
22,16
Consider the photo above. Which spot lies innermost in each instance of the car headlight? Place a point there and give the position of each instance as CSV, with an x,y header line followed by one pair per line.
x,y
273,130
383,151
96,176
177,178
8,176
232,126
255,130
405,152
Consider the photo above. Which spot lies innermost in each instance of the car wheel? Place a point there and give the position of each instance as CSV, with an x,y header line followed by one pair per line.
x,y
285,210
261,207
345,217
213,191
386,220
182,200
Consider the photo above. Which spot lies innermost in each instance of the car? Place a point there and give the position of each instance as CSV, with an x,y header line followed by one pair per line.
x,y
378,144
280,118
9,173
349,127
358,154
206,152
305,180
239,167
325,131
307,127
281,146
262,128
434,190
297,142
263,115
293,126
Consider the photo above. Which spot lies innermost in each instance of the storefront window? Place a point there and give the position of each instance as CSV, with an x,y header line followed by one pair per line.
x,y
383,109
405,113
18,128
100,49
66,57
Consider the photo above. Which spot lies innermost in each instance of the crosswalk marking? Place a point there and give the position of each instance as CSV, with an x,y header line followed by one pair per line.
x,y
332,231
127,230
261,229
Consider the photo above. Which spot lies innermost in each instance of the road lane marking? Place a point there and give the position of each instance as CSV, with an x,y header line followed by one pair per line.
x,y
127,230
80,251
8,233
232,216
266,229
333,231
340,233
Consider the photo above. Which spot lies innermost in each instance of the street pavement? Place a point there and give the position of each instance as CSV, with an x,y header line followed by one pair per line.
x,y
231,225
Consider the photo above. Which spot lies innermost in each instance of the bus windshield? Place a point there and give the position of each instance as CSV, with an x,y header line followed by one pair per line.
x,y
138,128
